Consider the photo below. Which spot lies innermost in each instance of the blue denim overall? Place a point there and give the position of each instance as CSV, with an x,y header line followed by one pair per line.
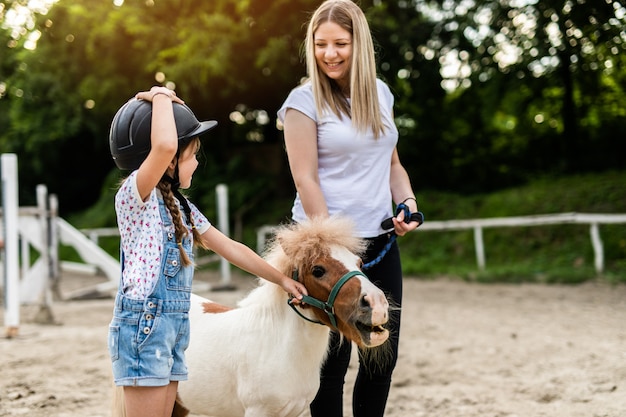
x,y
148,338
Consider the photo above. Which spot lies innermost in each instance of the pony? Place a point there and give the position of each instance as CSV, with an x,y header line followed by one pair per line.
x,y
263,358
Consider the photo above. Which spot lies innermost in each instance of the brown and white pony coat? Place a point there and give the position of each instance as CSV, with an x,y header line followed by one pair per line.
x,y
262,359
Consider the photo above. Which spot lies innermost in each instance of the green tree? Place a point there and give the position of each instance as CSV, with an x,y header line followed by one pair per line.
x,y
487,92
92,55
553,63
400,32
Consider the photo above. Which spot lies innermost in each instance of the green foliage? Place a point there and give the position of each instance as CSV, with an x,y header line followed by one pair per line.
x,y
557,110
58,100
558,253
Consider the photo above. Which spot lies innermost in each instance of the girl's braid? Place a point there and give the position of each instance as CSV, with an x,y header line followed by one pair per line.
x,y
197,237
179,226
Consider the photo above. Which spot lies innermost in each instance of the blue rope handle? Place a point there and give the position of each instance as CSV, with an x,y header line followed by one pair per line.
x,y
388,224
409,217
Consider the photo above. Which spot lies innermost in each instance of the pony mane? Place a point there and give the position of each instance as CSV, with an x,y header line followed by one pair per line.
x,y
297,244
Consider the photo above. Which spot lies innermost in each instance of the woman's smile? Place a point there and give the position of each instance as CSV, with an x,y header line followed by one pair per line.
x,y
333,52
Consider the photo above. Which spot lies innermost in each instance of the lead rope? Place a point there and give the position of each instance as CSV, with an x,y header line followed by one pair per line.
x,y
388,224
381,255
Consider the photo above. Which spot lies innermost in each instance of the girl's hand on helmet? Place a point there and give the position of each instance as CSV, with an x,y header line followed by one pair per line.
x,y
154,91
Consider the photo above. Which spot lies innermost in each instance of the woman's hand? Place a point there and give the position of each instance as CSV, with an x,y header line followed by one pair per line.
x,y
400,227
155,91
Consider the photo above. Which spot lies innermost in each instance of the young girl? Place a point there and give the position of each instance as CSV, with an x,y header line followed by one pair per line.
x,y
341,141
156,137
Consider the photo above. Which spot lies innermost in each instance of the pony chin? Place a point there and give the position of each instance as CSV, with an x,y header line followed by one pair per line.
x,y
381,354
365,335
375,338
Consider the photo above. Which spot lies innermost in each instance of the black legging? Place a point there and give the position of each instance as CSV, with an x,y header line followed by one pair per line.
x,y
372,383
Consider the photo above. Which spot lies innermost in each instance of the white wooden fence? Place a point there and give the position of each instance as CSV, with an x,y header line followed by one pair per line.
x,y
477,225
593,220
40,228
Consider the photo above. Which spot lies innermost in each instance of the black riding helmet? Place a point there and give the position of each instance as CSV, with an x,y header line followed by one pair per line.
x,y
129,138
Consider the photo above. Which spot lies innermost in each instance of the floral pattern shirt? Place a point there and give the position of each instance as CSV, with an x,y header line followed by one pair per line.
x,y
141,237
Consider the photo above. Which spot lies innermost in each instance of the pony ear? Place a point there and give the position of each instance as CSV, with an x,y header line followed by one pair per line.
x,y
283,244
283,240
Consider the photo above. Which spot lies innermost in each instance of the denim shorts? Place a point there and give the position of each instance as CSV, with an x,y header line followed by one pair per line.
x,y
147,341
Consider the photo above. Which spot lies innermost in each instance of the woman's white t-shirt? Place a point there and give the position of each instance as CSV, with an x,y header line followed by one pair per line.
x,y
353,168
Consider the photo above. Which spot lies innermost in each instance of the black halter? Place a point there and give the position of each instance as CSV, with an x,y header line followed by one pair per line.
x,y
329,306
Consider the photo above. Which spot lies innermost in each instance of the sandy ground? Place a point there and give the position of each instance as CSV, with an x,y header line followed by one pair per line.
x,y
466,350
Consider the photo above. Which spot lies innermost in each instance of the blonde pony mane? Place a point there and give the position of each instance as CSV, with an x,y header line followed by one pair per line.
x,y
304,242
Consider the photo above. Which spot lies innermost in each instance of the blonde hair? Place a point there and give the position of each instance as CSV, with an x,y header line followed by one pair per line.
x,y
364,109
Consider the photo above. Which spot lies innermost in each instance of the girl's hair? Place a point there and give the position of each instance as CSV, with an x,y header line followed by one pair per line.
x,y
364,109
180,229
169,199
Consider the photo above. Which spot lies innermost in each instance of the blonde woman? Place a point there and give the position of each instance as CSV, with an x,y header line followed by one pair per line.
x,y
341,141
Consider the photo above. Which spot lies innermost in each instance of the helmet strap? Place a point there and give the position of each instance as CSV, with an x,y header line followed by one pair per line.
x,y
175,183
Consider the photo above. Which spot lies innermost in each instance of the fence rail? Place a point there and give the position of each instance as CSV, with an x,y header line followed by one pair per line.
x,y
477,225
592,219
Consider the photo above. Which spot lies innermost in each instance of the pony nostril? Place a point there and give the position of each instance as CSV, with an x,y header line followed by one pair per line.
x,y
364,302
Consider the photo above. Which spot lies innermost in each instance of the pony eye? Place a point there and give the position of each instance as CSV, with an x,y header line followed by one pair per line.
x,y
318,271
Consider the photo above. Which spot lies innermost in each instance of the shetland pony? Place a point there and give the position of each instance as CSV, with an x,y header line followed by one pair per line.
x,y
263,358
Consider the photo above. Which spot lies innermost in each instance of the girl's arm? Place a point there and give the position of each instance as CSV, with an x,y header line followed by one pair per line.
x,y
301,145
245,258
163,140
